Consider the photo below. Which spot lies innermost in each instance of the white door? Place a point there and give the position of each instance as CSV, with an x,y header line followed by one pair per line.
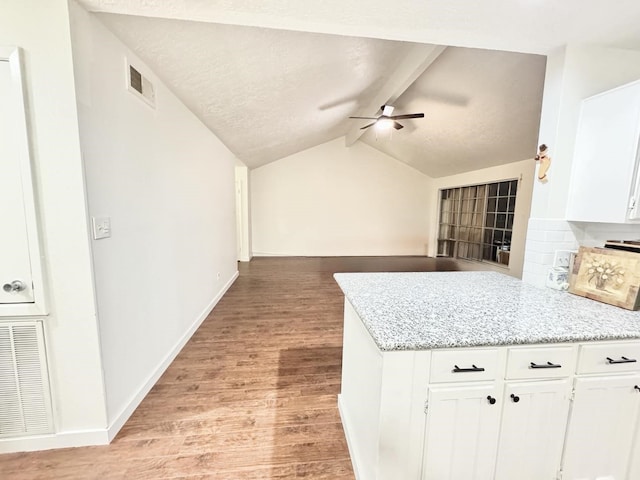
x,y
461,433
603,419
16,285
534,420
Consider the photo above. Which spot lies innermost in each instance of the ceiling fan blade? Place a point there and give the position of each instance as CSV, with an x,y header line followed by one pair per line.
x,y
387,110
407,116
397,126
367,126
366,118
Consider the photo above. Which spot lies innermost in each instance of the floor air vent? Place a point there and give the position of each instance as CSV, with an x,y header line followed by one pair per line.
x,y
25,401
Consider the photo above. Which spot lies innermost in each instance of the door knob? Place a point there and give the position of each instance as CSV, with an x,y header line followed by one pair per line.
x,y
15,286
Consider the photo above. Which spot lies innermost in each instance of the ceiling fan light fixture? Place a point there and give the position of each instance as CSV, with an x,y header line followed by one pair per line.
x,y
384,123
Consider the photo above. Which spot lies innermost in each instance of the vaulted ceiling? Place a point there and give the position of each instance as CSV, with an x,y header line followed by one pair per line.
x,y
271,78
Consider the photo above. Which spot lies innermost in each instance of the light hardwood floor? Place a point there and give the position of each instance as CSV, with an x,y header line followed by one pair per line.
x,y
251,396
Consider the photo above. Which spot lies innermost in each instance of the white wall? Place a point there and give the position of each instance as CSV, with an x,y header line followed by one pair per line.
x,y
524,171
168,185
243,212
331,200
573,73
41,29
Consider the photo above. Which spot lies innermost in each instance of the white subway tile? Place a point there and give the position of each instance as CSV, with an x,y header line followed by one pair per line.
x,y
537,235
554,224
554,235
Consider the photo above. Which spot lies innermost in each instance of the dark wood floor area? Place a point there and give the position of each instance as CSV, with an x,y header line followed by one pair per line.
x,y
251,396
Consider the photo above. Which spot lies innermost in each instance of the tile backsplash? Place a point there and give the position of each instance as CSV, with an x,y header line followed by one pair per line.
x,y
546,235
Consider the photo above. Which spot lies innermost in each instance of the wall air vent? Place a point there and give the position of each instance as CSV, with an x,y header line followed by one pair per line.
x,y
140,85
25,399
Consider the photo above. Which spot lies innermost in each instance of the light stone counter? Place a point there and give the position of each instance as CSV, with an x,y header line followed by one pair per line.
x,y
417,311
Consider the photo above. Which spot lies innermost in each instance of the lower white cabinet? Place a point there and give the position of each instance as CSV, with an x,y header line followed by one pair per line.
x,y
462,432
566,411
601,430
634,467
480,432
534,419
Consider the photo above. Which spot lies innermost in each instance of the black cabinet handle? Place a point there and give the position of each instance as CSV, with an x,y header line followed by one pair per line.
x,y
545,365
515,398
492,400
457,369
624,360
637,388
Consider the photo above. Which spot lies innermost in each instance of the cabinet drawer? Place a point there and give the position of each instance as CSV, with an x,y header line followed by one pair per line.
x,y
609,358
541,362
464,365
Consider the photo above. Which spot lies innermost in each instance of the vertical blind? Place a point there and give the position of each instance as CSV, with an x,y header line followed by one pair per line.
x,y
476,222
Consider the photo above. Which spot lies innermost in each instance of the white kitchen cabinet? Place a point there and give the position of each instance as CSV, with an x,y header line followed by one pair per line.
x,y
601,428
634,467
462,432
534,420
604,173
430,414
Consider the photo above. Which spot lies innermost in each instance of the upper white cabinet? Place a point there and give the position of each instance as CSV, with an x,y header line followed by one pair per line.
x,y
21,285
604,176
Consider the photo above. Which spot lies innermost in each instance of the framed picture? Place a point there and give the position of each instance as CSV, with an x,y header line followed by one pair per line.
x,y
607,275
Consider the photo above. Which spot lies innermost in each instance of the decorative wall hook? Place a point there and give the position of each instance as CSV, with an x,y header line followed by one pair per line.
x,y
545,163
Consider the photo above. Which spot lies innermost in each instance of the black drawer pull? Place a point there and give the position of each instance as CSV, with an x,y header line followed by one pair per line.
x,y
637,388
492,401
624,360
457,369
547,365
515,398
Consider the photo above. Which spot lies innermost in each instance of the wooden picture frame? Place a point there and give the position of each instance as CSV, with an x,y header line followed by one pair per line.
x,y
608,276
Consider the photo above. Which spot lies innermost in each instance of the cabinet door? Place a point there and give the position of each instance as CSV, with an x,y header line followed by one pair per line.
x,y
461,433
534,420
14,243
634,467
601,427
21,291
605,157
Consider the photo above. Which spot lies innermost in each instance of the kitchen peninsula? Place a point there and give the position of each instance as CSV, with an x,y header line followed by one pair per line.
x,y
476,375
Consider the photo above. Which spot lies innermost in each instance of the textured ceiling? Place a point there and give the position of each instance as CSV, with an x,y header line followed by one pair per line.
x,y
533,26
275,77
265,93
482,108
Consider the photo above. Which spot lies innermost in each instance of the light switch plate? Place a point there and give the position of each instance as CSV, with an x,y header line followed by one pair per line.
x,y
101,227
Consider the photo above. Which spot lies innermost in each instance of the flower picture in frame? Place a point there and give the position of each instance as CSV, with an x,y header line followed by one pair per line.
x,y
607,275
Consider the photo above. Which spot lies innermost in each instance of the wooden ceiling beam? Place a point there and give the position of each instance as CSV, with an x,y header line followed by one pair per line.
x,y
414,64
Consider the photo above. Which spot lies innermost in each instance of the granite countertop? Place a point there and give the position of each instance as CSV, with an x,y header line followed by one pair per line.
x,y
417,311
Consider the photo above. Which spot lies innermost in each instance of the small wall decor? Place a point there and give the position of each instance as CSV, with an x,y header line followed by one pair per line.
x,y
607,275
545,162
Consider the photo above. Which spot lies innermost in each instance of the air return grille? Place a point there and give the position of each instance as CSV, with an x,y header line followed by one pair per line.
x,y
140,85
25,401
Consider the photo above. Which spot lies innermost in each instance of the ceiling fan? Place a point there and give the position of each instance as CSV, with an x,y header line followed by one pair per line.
x,y
388,120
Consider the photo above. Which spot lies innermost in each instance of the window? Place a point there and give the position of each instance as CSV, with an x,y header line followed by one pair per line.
x,y
476,222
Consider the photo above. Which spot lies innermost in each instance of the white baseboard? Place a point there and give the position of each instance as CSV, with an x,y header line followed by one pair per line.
x,y
85,438
350,444
128,410
82,438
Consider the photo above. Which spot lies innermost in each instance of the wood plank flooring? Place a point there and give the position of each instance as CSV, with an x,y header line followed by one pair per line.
x,y
251,396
